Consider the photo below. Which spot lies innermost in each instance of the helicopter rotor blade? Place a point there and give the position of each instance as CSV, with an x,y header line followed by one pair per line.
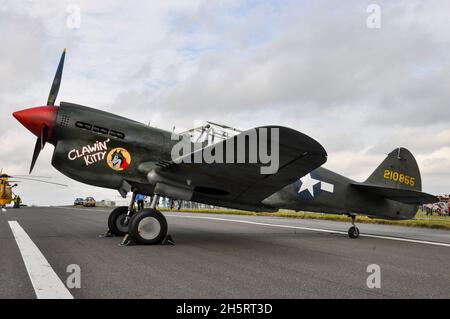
x,y
28,176
41,181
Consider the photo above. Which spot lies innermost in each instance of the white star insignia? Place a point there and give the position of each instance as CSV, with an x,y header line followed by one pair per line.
x,y
308,184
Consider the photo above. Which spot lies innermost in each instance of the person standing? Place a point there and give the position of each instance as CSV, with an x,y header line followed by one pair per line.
x,y
17,201
140,201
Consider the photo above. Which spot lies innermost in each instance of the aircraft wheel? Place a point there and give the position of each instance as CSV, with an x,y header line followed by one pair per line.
x,y
148,227
116,221
353,232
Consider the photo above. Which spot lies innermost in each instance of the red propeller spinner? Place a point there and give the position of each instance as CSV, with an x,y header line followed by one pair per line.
x,y
35,118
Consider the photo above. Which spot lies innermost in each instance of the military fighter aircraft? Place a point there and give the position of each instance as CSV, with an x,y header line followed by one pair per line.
x,y
110,151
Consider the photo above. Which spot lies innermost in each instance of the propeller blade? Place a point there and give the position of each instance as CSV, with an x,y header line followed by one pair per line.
x,y
37,150
40,143
56,81
44,136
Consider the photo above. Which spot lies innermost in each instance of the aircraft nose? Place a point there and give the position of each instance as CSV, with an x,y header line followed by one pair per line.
x,y
35,118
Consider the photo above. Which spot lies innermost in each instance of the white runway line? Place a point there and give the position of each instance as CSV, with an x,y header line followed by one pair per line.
x,y
329,231
45,281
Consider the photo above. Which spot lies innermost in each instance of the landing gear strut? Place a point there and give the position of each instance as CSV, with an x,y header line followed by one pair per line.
x,y
131,210
353,231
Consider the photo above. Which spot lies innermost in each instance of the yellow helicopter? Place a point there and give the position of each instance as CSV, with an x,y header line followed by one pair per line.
x,y
6,193
6,185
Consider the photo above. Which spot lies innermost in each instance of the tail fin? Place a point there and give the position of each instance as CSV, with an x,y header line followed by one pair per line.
x,y
398,170
398,178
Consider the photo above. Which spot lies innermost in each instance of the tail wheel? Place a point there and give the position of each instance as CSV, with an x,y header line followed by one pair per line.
x,y
116,221
148,227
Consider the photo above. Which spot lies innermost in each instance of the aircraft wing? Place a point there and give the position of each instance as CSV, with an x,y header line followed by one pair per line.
x,y
242,183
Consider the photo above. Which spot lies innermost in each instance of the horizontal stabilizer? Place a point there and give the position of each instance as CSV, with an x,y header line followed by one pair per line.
x,y
407,196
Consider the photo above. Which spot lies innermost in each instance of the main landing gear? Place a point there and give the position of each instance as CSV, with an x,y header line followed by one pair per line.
x,y
146,227
353,231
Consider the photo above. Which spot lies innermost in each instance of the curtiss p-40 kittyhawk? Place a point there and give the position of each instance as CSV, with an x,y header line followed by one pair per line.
x,y
110,151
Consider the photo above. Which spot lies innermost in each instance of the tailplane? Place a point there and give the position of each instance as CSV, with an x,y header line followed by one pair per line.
x,y
398,178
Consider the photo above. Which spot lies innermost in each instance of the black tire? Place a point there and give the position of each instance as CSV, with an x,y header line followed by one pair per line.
x,y
353,232
116,221
148,227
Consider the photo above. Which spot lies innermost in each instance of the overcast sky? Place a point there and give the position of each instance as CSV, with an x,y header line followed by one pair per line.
x,y
314,66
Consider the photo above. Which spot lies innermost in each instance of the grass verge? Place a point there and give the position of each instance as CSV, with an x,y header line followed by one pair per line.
x,y
420,221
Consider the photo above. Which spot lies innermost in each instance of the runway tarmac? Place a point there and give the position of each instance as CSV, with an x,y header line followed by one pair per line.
x,y
218,256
